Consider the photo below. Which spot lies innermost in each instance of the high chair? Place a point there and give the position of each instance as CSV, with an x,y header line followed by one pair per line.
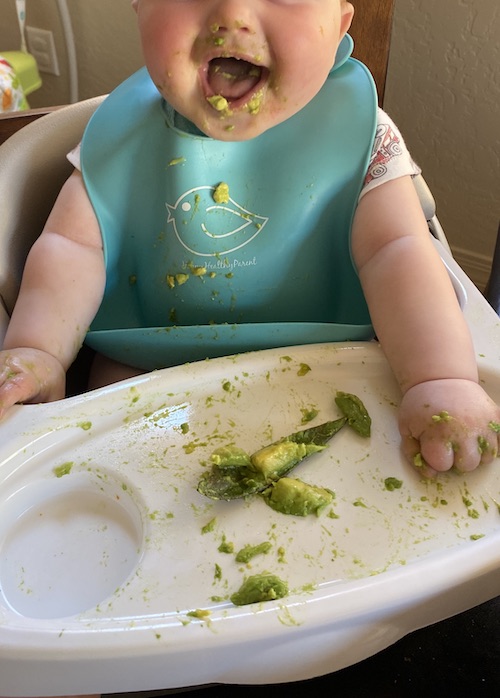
x,y
33,167
492,289
326,629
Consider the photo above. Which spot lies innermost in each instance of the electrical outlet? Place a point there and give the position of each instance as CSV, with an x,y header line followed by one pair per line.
x,y
42,48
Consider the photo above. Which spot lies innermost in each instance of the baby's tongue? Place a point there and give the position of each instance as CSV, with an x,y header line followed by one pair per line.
x,y
232,78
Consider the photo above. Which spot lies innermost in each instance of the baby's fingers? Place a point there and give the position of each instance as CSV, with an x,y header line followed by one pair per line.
x,y
488,445
29,375
413,453
15,389
438,454
431,455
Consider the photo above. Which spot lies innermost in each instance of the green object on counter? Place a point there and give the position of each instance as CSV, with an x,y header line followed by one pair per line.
x,y
25,68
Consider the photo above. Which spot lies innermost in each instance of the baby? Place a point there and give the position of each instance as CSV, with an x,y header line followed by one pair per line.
x,y
247,181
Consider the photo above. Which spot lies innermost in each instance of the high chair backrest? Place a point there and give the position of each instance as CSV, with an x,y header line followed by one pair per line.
x,y
33,167
371,30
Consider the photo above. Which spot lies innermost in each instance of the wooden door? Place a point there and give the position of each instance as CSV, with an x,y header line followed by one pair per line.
x,y
371,31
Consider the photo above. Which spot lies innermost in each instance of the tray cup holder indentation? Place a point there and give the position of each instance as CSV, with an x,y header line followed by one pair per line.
x,y
68,552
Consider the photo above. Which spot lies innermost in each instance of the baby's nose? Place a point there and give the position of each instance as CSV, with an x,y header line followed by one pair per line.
x,y
231,15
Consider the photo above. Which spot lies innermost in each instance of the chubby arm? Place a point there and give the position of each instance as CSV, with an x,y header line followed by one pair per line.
x,y
61,290
445,418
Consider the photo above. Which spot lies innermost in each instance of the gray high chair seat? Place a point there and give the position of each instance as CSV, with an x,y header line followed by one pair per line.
x,y
33,167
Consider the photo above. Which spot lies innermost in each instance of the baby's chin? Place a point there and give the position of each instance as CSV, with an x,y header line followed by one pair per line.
x,y
231,135
236,127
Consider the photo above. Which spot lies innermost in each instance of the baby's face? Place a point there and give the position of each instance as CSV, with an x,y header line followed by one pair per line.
x,y
235,68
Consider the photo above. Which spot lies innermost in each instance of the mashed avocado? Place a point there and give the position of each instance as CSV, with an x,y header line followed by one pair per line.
x,y
392,483
260,587
250,551
218,102
64,469
255,103
221,193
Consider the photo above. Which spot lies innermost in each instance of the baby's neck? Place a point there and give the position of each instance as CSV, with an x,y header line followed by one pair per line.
x,y
180,122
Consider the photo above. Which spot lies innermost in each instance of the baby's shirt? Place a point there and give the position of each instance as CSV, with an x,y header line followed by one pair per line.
x,y
390,157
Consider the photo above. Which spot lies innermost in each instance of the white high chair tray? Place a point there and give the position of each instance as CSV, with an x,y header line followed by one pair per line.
x,y
112,575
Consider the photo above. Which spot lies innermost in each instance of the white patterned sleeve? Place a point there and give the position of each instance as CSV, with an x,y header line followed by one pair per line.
x,y
390,157
74,157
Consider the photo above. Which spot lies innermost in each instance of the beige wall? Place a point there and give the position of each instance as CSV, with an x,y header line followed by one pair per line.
x,y
444,93
106,43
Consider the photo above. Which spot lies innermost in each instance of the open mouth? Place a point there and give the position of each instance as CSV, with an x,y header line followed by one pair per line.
x,y
233,78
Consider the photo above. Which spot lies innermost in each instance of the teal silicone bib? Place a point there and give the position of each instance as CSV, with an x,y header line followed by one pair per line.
x,y
196,270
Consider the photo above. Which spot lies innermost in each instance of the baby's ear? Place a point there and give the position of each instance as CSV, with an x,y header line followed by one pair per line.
x,y
347,13
134,4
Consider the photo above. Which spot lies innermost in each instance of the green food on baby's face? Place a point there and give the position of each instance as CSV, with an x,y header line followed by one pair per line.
x,y
218,102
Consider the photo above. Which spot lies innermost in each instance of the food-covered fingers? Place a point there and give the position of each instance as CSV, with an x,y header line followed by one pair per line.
x,y
463,451
438,454
478,448
29,375
14,389
448,424
413,452
489,443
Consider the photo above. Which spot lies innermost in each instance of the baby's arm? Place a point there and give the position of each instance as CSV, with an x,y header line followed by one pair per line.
x,y
445,417
61,290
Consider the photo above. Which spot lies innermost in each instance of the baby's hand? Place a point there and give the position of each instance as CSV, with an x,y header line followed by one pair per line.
x,y
29,375
449,422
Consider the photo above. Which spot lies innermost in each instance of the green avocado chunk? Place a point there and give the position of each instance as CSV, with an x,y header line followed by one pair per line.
x,y
250,551
295,497
275,459
260,587
230,457
230,483
355,411
231,476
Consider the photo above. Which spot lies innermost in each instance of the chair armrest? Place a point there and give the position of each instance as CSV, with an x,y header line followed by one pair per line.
x,y
10,123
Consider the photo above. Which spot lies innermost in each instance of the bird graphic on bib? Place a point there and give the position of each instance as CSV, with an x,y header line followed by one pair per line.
x,y
209,224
